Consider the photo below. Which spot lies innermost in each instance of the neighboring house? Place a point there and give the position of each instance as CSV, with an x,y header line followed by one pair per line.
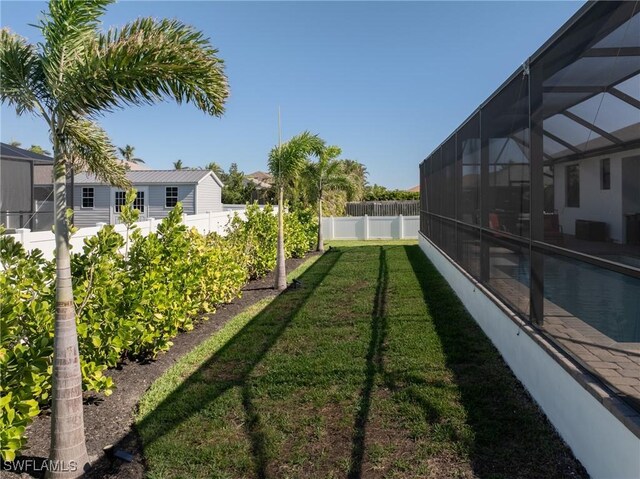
x,y
415,189
158,191
262,182
23,204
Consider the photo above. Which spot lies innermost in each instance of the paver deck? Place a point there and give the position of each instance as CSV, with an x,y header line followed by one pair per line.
x,y
616,363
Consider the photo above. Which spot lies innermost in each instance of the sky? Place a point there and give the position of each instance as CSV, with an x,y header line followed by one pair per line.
x,y
387,82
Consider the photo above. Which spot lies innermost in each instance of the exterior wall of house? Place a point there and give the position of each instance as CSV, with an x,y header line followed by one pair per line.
x,y
630,189
157,195
208,196
83,217
596,204
16,201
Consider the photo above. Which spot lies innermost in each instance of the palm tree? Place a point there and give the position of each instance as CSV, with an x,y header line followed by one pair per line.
x,y
127,154
286,161
177,165
358,174
39,150
75,73
327,173
216,168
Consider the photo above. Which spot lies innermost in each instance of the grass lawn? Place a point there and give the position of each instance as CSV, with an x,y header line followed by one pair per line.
x,y
371,369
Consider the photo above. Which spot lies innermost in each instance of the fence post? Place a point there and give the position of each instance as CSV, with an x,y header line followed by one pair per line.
x,y
210,220
401,219
24,237
151,220
366,227
333,228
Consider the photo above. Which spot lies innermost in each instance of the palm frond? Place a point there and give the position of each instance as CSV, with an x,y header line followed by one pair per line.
x,y
146,62
287,161
89,149
21,77
69,28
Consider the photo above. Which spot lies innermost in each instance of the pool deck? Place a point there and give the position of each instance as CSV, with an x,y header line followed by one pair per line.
x,y
616,364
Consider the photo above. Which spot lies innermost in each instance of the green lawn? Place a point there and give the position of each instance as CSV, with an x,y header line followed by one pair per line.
x,y
371,369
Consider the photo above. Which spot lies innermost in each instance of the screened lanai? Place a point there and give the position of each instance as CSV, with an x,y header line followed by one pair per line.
x,y
537,194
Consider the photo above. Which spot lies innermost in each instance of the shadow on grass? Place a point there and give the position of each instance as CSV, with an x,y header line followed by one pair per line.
x,y
231,366
374,366
511,436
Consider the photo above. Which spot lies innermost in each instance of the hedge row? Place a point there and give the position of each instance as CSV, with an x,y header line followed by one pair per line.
x,y
128,304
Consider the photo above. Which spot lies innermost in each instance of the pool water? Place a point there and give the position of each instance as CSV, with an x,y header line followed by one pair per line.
x,y
606,300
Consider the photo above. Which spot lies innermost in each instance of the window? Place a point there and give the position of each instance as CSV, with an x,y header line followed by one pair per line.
x,y
573,186
171,196
605,174
138,203
120,200
87,197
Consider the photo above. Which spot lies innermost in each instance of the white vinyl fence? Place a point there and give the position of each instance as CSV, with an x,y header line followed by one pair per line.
x,y
370,227
45,240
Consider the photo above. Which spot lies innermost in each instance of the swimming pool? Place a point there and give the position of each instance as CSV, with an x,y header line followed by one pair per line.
x,y
606,300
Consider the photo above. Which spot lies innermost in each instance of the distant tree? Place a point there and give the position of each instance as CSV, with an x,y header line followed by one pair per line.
x,y
380,193
127,154
236,190
325,174
177,165
15,143
358,174
217,169
39,150
286,162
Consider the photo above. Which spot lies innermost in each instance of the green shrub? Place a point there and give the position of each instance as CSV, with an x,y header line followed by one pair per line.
x,y
256,239
131,299
300,232
26,341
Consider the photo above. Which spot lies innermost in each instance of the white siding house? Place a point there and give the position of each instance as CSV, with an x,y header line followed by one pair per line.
x,y
199,191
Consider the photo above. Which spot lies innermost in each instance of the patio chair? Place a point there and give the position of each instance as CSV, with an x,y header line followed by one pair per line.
x,y
553,229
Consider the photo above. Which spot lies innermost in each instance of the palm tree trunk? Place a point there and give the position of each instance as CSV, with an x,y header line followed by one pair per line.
x,y
281,272
320,247
68,455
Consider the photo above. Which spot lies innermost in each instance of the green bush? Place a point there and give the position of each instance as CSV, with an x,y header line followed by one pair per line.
x,y
131,299
256,239
301,232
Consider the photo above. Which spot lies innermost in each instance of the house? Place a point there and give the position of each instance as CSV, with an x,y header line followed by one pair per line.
x,y
262,183
531,211
23,204
158,191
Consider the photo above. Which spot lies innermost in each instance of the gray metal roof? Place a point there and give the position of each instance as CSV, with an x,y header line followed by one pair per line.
x,y
16,153
144,177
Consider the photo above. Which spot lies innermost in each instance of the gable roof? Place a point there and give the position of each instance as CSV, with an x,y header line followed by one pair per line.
x,y
16,153
145,177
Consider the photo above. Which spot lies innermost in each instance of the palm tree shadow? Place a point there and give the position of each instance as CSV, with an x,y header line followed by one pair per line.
x,y
373,367
231,367
394,381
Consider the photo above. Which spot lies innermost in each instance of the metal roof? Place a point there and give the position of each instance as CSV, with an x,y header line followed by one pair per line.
x,y
144,177
16,153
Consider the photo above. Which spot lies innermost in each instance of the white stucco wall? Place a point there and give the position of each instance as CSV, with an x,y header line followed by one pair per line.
x,y
605,446
596,204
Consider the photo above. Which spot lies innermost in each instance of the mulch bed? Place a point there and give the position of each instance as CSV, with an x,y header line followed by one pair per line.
x,y
108,421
